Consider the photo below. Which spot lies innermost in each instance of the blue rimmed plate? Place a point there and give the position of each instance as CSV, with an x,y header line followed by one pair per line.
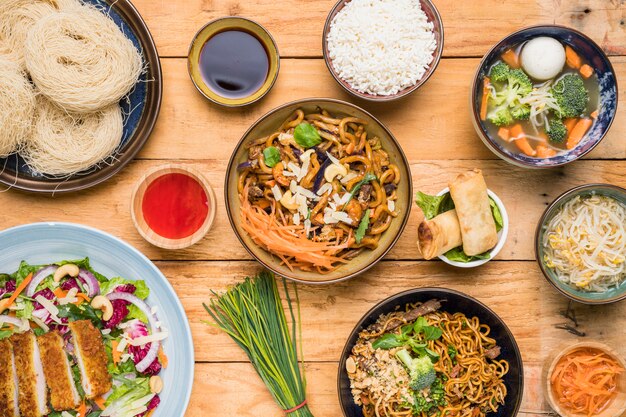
x,y
42,243
140,110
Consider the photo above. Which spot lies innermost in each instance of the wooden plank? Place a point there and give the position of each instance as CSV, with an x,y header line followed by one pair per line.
x,y
525,194
433,123
516,291
471,28
234,389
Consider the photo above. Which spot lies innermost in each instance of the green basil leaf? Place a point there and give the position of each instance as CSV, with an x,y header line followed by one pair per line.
x,y
365,223
406,329
497,216
271,156
432,332
306,135
434,356
420,323
388,341
458,255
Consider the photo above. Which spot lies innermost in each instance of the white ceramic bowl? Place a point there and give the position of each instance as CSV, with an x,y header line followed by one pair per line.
x,y
502,234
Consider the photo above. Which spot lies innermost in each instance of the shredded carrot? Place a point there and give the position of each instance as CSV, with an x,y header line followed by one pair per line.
x,y
150,413
571,58
578,132
586,71
511,58
6,304
59,293
485,100
544,152
570,123
82,410
585,380
594,114
288,242
519,137
163,357
117,356
82,296
100,402
504,134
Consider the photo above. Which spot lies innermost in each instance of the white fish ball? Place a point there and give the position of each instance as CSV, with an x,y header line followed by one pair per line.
x,y
543,58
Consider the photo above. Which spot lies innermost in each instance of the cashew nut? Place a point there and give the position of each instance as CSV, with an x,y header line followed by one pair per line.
x,y
103,304
333,170
288,201
65,270
156,384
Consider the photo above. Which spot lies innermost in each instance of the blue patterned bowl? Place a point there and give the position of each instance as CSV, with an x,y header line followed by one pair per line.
x,y
608,94
140,109
614,294
42,243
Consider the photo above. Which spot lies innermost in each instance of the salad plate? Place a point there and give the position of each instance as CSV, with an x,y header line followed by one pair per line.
x,y
108,258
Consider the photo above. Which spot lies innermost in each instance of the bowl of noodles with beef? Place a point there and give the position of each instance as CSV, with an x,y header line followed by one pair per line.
x,y
430,352
318,190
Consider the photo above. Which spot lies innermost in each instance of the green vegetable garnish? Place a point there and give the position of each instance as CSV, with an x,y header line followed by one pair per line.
x,y
271,155
421,370
306,135
421,326
365,222
452,352
457,255
369,177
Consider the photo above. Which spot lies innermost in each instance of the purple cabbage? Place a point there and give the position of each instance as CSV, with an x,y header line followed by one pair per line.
x,y
120,311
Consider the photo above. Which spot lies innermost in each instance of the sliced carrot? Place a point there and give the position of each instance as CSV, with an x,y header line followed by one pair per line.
x,y
82,410
578,132
150,413
571,58
59,293
350,148
504,134
544,152
84,297
586,71
485,100
511,58
6,304
594,114
163,357
570,123
100,402
117,356
521,141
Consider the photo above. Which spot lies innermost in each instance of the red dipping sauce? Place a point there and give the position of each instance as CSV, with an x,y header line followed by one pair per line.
x,y
175,206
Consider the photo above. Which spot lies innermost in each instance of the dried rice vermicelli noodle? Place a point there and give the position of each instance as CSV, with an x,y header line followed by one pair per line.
x,y
17,107
64,143
81,60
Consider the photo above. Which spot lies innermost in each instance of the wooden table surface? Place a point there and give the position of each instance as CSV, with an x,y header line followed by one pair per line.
x,y
434,128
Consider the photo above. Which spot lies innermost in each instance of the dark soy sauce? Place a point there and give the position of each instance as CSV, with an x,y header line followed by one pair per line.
x,y
234,64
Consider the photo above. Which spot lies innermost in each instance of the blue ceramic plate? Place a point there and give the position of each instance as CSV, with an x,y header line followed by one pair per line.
x,y
588,297
42,243
592,53
140,109
455,302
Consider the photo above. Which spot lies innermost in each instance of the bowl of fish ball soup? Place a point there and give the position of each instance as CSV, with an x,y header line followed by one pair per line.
x,y
544,96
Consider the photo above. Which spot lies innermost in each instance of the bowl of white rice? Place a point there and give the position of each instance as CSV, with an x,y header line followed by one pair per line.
x,y
382,50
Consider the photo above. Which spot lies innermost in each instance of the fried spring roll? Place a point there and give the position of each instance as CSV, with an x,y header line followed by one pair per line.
x,y
63,392
33,392
91,357
8,381
478,229
439,234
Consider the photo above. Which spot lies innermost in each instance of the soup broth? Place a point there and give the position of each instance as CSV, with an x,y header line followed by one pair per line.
x,y
533,138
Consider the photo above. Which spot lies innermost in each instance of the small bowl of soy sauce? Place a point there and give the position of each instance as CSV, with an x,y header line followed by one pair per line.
x,y
233,61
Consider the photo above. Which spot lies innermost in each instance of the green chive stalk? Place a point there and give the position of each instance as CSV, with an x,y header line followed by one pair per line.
x,y
252,314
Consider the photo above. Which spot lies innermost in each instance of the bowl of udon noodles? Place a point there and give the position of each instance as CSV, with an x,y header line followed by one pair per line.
x,y
580,243
318,190
430,352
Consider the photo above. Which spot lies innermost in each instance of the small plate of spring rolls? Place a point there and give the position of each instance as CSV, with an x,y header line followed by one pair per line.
x,y
465,225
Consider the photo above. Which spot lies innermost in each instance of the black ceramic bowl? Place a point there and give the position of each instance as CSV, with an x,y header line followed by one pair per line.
x,y
592,53
455,302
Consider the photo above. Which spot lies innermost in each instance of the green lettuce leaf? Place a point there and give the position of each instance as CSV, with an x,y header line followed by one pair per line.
x,y
458,255
433,205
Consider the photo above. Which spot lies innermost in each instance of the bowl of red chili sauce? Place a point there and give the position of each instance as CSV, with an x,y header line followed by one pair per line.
x,y
173,206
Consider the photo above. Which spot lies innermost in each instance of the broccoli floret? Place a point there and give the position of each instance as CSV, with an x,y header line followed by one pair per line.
x,y
557,132
421,370
499,72
520,81
571,95
521,112
500,116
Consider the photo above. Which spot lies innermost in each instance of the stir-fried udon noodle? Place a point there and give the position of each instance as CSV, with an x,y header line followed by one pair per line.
x,y
585,243
467,378
317,191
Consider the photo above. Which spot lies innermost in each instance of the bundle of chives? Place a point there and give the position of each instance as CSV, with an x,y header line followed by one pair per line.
x,y
252,314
